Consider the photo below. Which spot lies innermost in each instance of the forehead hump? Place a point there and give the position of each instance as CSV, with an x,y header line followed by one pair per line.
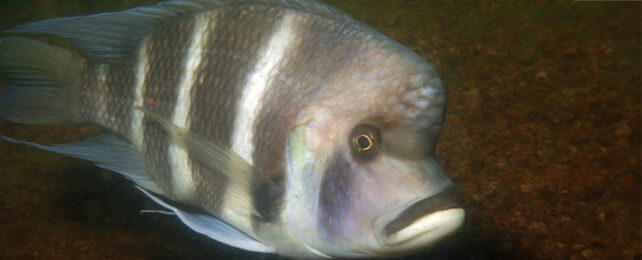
x,y
398,87
421,100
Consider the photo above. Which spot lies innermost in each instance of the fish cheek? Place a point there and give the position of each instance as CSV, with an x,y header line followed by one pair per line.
x,y
336,199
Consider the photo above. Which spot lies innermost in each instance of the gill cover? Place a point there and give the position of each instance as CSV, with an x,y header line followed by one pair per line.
x,y
305,163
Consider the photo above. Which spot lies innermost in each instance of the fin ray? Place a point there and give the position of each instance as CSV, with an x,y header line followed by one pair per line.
x,y
214,155
214,228
219,158
106,151
41,78
112,36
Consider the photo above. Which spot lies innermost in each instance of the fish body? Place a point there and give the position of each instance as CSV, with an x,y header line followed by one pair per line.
x,y
297,130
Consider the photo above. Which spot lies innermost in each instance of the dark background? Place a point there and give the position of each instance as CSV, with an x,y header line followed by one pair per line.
x,y
542,134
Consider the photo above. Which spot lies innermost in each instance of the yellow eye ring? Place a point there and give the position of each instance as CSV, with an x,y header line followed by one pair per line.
x,y
363,142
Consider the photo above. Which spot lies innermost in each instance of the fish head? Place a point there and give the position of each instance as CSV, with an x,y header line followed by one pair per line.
x,y
362,177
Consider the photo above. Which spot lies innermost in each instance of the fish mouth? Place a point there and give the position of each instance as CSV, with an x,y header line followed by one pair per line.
x,y
425,221
447,199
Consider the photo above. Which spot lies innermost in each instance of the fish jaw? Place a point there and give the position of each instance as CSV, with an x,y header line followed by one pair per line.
x,y
389,221
426,230
421,224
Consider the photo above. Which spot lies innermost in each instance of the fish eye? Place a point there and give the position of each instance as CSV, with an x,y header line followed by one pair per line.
x,y
365,141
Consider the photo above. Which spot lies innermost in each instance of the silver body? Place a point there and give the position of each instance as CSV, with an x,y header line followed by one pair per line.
x,y
245,109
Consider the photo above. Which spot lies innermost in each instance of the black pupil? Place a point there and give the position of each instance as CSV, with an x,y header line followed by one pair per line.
x,y
363,142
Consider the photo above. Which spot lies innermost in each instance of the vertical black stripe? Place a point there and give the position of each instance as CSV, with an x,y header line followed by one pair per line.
x,y
119,80
166,54
235,38
233,45
325,51
337,191
88,102
113,96
268,197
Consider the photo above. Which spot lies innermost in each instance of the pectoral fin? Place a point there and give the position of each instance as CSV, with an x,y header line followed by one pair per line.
x,y
241,175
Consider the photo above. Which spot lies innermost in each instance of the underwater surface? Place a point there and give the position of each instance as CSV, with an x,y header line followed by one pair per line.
x,y
542,135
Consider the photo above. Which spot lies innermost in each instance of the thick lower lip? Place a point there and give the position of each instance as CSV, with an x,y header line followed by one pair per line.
x,y
426,231
450,198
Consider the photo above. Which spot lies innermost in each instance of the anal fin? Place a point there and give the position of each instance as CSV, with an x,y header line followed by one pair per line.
x,y
106,151
214,228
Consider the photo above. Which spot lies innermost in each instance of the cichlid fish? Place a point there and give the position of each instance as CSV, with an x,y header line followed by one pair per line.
x,y
296,129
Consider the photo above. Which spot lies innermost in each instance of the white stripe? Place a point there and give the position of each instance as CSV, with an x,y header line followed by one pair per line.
x,y
136,130
183,182
235,210
249,105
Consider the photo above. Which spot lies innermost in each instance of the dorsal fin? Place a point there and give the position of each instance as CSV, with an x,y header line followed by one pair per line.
x,y
111,36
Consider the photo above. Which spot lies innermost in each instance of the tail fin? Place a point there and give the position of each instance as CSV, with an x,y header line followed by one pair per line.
x,y
42,82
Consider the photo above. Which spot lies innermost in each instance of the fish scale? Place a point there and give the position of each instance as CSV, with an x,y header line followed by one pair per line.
x,y
165,58
248,111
